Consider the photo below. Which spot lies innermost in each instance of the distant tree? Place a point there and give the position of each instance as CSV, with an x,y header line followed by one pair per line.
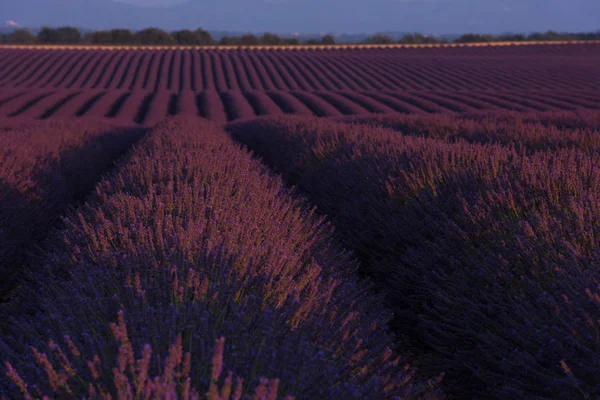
x,y
65,34
379,39
411,39
203,37
3,38
418,38
229,41
122,36
46,35
567,36
153,36
589,36
249,40
585,36
69,34
185,37
536,36
551,35
21,36
291,41
328,39
408,39
474,38
99,37
429,39
190,38
510,38
270,39
313,42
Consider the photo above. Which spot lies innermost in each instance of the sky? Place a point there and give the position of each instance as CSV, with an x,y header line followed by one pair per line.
x,y
449,15
153,3
313,16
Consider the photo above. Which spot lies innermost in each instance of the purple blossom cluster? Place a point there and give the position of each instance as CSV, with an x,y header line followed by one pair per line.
x,y
188,241
131,377
487,253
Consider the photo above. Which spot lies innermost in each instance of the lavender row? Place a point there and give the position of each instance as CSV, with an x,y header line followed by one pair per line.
x,y
264,70
45,167
147,107
191,239
487,255
532,130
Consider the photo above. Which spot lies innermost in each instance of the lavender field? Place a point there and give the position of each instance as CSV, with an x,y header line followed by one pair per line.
x,y
411,223
144,86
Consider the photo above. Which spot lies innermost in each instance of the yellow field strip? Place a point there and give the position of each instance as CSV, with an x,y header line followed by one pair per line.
x,y
298,47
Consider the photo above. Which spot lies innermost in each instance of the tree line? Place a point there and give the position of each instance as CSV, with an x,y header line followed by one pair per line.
x,y
150,36
156,36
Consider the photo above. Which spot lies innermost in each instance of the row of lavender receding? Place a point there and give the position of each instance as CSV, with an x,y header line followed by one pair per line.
x,y
44,167
531,130
488,254
148,108
188,241
262,70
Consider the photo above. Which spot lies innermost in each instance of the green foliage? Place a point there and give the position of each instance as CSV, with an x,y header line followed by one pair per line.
x,y
474,38
588,36
511,38
534,37
99,37
379,39
64,35
290,41
46,35
184,36
122,36
328,39
229,41
21,36
245,40
419,38
550,35
115,36
153,36
270,39
249,40
201,37
193,38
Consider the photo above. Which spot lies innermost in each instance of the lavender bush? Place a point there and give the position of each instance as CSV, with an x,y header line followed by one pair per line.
x,y
131,377
487,254
193,237
534,131
44,167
